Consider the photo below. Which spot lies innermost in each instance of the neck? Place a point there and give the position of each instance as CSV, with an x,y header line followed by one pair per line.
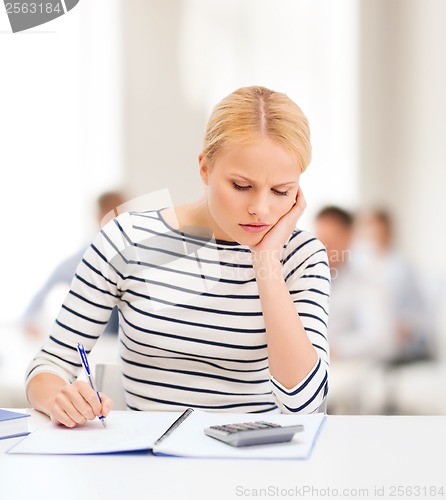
x,y
197,214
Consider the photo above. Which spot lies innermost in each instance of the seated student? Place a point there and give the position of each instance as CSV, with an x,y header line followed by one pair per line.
x,y
360,323
378,255
358,330
222,301
364,339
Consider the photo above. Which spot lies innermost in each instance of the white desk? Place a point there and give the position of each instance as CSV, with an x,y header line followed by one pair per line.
x,y
352,452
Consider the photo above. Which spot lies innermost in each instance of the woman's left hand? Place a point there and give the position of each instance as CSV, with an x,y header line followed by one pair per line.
x,y
272,243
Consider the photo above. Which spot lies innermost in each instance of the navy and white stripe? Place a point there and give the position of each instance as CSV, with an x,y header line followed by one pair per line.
x,y
191,326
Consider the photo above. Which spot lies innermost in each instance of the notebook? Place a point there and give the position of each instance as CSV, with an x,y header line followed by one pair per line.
x,y
13,424
128,431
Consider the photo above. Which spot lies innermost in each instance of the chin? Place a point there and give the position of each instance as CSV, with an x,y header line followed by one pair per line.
x,y
249,239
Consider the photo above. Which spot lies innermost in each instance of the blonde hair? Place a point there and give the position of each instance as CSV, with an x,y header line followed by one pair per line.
x,y
249,112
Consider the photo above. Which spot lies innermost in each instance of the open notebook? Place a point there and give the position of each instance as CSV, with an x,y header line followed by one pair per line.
x,y
128,431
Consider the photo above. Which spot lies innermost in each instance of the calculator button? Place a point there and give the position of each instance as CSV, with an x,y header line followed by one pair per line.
x,y
251,425
239,427
269,424
229,428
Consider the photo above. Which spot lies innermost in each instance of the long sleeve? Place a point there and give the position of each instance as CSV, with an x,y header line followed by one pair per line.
x,y
307,276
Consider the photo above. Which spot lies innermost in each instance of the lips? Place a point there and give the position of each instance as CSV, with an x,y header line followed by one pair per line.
x,y
258,227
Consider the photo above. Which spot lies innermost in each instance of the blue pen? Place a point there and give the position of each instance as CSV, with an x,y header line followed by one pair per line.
x,y
83,355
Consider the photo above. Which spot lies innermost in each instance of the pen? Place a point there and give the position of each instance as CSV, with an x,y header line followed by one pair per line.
x,y
83,355
177,422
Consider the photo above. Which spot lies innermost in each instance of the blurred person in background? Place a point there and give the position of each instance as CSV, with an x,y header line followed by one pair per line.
x,y
377,255
64,272
359,323
360,326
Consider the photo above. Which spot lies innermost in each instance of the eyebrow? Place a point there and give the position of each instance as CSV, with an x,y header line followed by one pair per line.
x,y
251,182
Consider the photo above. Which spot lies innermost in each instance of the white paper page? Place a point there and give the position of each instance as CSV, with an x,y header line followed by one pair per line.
x,y
189,440
125,431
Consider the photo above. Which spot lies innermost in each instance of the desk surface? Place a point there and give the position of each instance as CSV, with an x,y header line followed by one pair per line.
x,y
352,453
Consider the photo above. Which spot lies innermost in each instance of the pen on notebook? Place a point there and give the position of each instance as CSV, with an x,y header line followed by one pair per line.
x,y
83,355
177,422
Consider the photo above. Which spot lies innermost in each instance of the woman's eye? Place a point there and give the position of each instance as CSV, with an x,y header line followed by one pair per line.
x,y
280,193
242,188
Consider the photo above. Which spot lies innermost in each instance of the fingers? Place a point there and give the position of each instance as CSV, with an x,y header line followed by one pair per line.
x,y
300,200
106,404
64,412
76,403
91,398
298,207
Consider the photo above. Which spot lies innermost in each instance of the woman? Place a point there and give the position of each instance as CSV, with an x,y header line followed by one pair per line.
x,y
222,302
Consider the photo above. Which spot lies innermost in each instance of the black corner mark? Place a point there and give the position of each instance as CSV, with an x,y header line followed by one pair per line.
x,y
26,14
69,4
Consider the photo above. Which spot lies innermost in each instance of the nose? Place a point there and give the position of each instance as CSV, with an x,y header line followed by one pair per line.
x,y
258,205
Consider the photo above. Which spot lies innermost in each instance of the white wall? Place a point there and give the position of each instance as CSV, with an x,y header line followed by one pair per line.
x,y
60,141
403,104
161,142
402,139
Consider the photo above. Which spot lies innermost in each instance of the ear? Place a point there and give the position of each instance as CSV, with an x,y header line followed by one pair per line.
x,y
204,169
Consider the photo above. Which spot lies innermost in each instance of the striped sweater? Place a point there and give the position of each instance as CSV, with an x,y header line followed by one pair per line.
x,y
192,332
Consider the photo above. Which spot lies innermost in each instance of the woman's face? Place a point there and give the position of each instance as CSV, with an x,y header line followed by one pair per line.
x,y
250,187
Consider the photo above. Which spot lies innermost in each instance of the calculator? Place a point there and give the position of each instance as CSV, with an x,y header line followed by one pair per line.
x,y
252,433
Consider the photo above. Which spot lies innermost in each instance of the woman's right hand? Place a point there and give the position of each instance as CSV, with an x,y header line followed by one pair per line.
x,y
76,403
